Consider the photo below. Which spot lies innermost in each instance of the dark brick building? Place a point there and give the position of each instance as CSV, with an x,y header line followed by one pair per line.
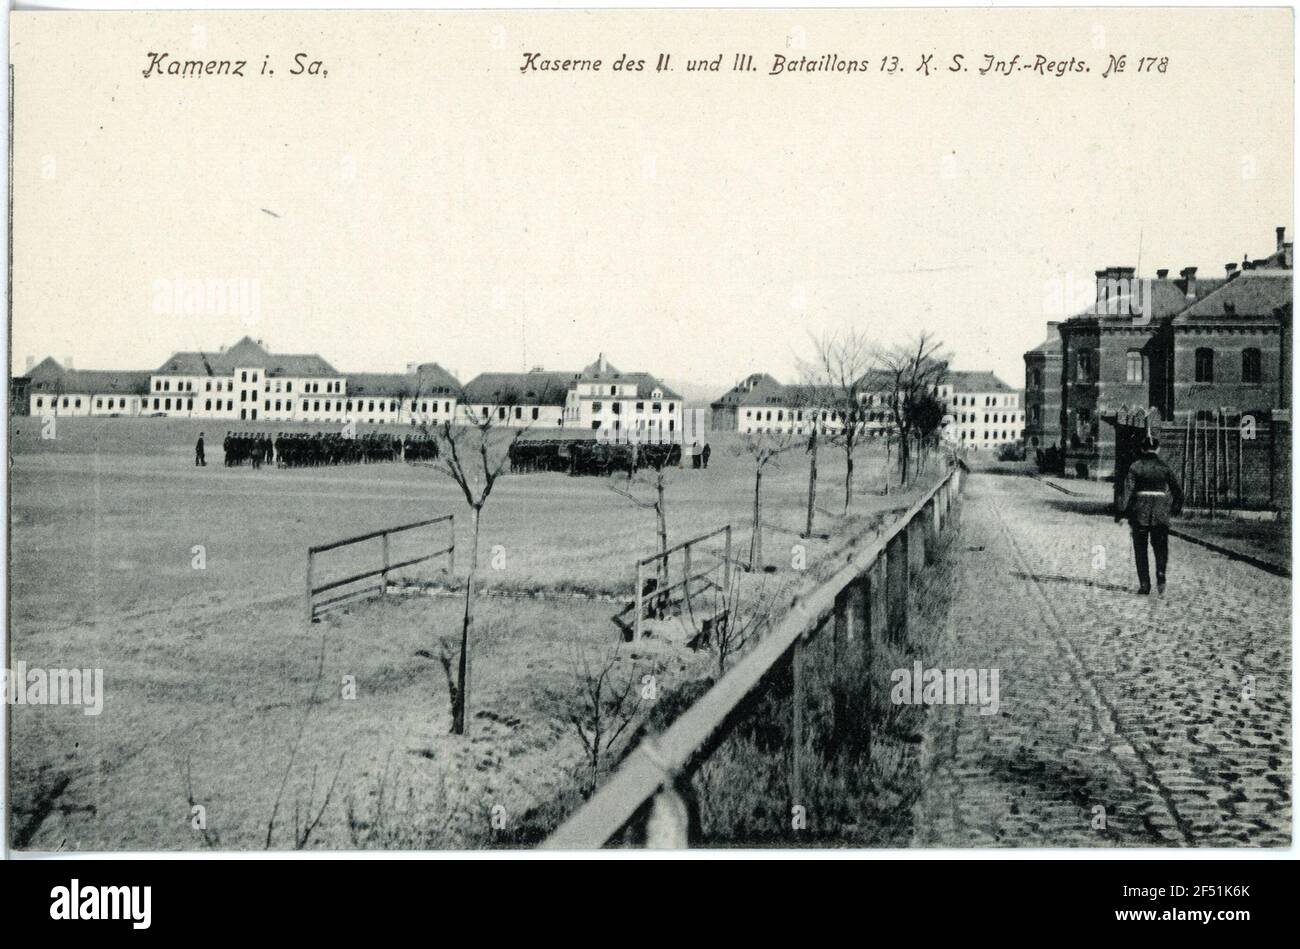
x,y
1185,346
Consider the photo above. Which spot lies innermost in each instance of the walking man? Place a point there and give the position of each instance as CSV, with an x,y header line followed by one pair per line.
x,y
199,459
1151,493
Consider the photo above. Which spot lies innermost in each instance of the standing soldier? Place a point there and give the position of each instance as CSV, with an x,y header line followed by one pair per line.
x,y
1151,493
705,454
199,460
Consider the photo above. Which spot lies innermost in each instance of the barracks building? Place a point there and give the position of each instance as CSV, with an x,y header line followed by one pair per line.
x,y
1193,347
247,382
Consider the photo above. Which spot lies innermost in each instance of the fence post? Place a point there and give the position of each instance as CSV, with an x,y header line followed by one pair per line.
x,y
636,619
310,611
383,577
451,554
726,565
668,823
686,578
796,735
930,529
898,567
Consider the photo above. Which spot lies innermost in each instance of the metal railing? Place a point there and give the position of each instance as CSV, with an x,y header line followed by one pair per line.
x,y
386,566
869,597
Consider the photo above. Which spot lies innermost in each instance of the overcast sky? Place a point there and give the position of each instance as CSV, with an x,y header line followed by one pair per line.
x,y
427,202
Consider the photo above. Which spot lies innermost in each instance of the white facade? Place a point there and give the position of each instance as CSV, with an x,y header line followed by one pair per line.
x,y
517,416
84,403
984,421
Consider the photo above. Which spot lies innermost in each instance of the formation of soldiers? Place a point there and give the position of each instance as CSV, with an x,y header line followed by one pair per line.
x,y
419,448
254,448
590,457
314,449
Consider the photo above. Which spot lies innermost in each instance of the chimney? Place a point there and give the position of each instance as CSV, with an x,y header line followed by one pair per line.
x,y
601,365
67,362
1189,275
1286,255
1162,273
1103,276
1231,270
31,361
1281,238
412,368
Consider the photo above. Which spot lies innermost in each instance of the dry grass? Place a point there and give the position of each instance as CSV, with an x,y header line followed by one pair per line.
x,y
211,672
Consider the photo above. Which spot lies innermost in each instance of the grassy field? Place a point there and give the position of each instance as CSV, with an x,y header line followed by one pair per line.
x,y
212,674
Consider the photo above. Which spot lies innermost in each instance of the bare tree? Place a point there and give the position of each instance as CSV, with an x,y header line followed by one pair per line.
x,y
763,448
841,364
730,621
647,489
811,402
912,373
474,454
603,706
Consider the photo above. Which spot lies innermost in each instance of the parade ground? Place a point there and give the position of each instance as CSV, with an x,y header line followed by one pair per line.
x,y
212,668
1122,720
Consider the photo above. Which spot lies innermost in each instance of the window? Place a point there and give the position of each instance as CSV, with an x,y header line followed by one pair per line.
x,y
254,377
534,413
288,387
99,403
243,376
1083,367
268,405
1035,379
595,407
1134,366
519,412
1204,365
640,407
1251,367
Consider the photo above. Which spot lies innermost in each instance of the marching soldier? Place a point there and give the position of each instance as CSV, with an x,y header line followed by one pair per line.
x,y
199,459
1151,493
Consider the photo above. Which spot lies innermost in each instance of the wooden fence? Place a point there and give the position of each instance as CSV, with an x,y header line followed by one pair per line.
x,y
868,598
662,591
385,567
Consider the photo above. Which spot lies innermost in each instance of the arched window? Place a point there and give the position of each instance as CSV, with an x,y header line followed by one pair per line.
x,y
1134,366
1251,367
1205,365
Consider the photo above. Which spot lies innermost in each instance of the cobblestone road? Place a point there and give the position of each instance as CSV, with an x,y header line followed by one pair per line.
x,y
1125,720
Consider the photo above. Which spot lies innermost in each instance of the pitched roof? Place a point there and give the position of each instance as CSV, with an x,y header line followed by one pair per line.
x,y
519,388
755,389
434,380
645,383
427,379
976,381
93,381
246,353
47,368
399,384
1049,346
1252,295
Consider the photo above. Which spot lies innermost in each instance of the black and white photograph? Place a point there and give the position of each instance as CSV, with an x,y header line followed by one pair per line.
x,y
756,431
